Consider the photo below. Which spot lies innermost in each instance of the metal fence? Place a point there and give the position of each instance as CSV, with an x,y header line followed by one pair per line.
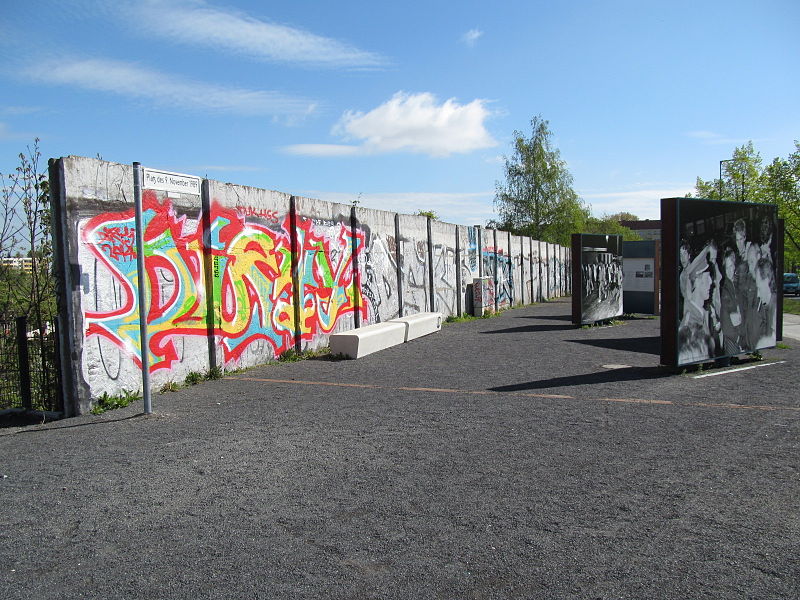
x,y
29,366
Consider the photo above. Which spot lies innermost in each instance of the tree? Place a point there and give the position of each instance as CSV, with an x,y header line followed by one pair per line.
x,y
610,224
536,199
782,187
741,178
744,178
622,216
431,214
25,229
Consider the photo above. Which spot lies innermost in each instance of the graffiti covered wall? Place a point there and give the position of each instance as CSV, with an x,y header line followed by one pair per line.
x,y
469,264
444,267
235,276
378,267
505,271
518,275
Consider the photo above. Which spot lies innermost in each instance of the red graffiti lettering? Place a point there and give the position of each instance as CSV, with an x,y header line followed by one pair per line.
x,y
118,242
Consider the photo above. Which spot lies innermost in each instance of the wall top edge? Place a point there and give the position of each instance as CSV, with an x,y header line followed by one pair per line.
x,y
99,180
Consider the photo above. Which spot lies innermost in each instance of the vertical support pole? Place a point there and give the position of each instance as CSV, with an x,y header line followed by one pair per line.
x,y
68,390
459,292
577,279
522,269
479,248
210,273
495,268
670,232
356,279
399,261
432,293
23,363
780,233
295,250
142,286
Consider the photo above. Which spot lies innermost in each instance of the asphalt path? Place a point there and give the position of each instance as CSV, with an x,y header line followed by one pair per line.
x,y
510,457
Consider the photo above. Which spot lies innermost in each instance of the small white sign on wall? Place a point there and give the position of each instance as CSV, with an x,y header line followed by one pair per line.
x,y
638,275
170,182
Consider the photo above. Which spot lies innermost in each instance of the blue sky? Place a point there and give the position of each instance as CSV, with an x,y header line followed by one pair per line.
x,y
408,105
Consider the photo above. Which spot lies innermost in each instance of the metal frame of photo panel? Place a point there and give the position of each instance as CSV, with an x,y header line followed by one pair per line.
x,y
577,273
671,221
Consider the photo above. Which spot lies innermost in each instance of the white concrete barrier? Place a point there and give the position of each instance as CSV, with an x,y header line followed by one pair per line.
x,y
356,343
420,324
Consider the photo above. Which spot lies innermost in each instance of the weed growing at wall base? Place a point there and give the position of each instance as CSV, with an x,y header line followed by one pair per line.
x,y
106,402
170,386
193,378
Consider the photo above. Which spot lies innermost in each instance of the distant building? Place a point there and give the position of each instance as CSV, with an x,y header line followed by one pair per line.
x,y
23,263
648,229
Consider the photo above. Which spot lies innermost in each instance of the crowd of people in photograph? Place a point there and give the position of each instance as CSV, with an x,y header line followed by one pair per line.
x,y
602,286
728,291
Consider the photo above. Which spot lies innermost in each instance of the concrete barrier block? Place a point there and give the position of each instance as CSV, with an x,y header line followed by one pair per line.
x,y
366,340
420,324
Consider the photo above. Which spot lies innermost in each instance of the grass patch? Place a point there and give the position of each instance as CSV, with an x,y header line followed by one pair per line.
x,y
791,305
293,355
606,323
782,346
170,386
105,402
214,373
460,318
193,378
466,317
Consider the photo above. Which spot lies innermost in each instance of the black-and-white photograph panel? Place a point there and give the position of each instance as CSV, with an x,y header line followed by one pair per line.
x,y
600,275
726,279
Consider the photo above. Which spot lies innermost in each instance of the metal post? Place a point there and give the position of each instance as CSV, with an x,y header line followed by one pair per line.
x,y
142,285
23,363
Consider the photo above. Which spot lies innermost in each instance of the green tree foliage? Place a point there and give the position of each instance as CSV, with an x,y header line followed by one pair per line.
x,y
610,224
431,214
745,178
536,199
25,230
623,216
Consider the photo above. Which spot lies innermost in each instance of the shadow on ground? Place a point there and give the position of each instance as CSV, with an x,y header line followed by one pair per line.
x,y
610,376
531,329
567,318
643,345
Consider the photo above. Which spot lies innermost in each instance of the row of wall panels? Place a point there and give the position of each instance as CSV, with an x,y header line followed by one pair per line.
x,y
238,275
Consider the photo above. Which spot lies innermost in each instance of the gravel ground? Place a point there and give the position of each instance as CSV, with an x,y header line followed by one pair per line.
x,y
537,461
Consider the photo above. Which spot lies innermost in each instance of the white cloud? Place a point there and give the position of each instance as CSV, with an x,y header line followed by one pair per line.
x,y
134,81
410,123
471,36
195,22
644,203
468,208
323,150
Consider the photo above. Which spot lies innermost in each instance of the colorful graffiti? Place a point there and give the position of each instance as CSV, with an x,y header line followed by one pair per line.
x,y
505,280
444,279
251,274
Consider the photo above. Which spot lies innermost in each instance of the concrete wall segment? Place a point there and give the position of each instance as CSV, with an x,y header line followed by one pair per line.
x,y
444,268
378,268
414,263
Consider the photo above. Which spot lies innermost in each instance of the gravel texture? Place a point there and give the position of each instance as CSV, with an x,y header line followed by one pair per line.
x,y
539,461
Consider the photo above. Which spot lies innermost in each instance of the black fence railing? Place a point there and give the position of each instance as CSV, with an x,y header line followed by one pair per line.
x,y
29,366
